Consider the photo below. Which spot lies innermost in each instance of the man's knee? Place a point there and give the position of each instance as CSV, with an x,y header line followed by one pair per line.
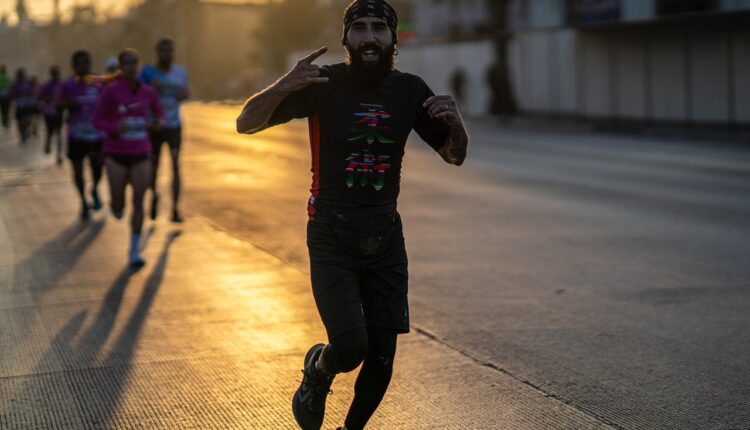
x,y
346,351
382,346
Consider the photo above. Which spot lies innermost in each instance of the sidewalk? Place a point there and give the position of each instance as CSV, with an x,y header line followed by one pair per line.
x,y
210,334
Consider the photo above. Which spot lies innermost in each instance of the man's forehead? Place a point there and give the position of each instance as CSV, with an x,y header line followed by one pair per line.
x,y
368,19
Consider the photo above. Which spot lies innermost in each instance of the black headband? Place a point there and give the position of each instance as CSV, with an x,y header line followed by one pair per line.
x,y
373,8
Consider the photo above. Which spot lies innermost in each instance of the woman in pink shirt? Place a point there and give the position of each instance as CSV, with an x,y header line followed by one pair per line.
x,y
126,112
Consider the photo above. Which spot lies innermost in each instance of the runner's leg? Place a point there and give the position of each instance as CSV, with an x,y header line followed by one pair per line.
x,y
117,176
58,132
78,181
140,178
345,352
24,122
175,154
96,175
156,140
49,129
373,378
5,112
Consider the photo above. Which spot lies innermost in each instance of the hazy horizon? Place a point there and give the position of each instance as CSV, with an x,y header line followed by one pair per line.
x,y
42,10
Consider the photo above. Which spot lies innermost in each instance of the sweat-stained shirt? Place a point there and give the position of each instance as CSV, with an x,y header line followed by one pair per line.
x,y
118,104
358,135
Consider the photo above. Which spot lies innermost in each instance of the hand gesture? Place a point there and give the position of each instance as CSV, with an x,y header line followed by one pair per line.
x,y
303,74
443,107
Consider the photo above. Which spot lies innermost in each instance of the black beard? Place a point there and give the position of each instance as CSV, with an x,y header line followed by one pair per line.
x,y
370,76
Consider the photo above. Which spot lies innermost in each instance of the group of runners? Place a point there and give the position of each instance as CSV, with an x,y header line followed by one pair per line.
x,y
118,121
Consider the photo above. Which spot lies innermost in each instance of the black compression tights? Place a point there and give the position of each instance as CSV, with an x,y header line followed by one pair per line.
x,y
375,348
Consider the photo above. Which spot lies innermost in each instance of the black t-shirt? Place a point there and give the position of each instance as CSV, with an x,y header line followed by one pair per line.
x,y
357,135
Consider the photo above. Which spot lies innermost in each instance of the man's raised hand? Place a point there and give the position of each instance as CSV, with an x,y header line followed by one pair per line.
x,y
443,107
303,74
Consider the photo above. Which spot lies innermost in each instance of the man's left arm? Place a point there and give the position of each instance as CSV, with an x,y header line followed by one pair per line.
x,y
443,107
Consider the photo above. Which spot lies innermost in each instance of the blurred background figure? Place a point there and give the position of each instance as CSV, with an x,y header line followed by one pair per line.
x,y
171,83
79,96
4,97
458,85
23,95
52,117
36,111
111,66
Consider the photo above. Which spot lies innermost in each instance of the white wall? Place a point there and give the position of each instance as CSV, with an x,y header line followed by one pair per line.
x,y
630,78
437,63
741,72
660,74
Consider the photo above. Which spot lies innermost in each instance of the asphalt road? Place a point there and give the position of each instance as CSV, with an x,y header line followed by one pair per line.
x,y
610,272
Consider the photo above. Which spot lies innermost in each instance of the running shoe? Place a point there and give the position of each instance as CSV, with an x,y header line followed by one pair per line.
x,y
309,402
136,262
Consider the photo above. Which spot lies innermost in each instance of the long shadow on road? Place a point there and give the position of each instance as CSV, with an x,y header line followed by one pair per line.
x,y
91,384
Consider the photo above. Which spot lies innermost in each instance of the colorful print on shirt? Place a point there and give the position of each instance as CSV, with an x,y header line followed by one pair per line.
x,y
364,168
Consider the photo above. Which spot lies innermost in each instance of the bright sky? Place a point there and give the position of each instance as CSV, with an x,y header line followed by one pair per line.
x,y
41,10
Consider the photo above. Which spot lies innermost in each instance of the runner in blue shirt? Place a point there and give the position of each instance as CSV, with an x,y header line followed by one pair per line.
x,y
171,83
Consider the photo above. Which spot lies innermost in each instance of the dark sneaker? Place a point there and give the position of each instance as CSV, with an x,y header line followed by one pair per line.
x,y
135,261
154,205
309,402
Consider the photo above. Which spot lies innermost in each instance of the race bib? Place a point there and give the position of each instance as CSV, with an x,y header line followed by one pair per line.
x,y
136,126
86,132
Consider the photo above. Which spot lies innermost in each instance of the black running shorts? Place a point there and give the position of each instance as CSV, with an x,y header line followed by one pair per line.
x,y
78,149
358,268
53,122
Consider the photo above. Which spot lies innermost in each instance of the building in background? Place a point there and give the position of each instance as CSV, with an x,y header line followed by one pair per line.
x,y
633,61
676,62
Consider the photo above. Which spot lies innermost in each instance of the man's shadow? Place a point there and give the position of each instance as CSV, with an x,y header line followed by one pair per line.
x,y
99,382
